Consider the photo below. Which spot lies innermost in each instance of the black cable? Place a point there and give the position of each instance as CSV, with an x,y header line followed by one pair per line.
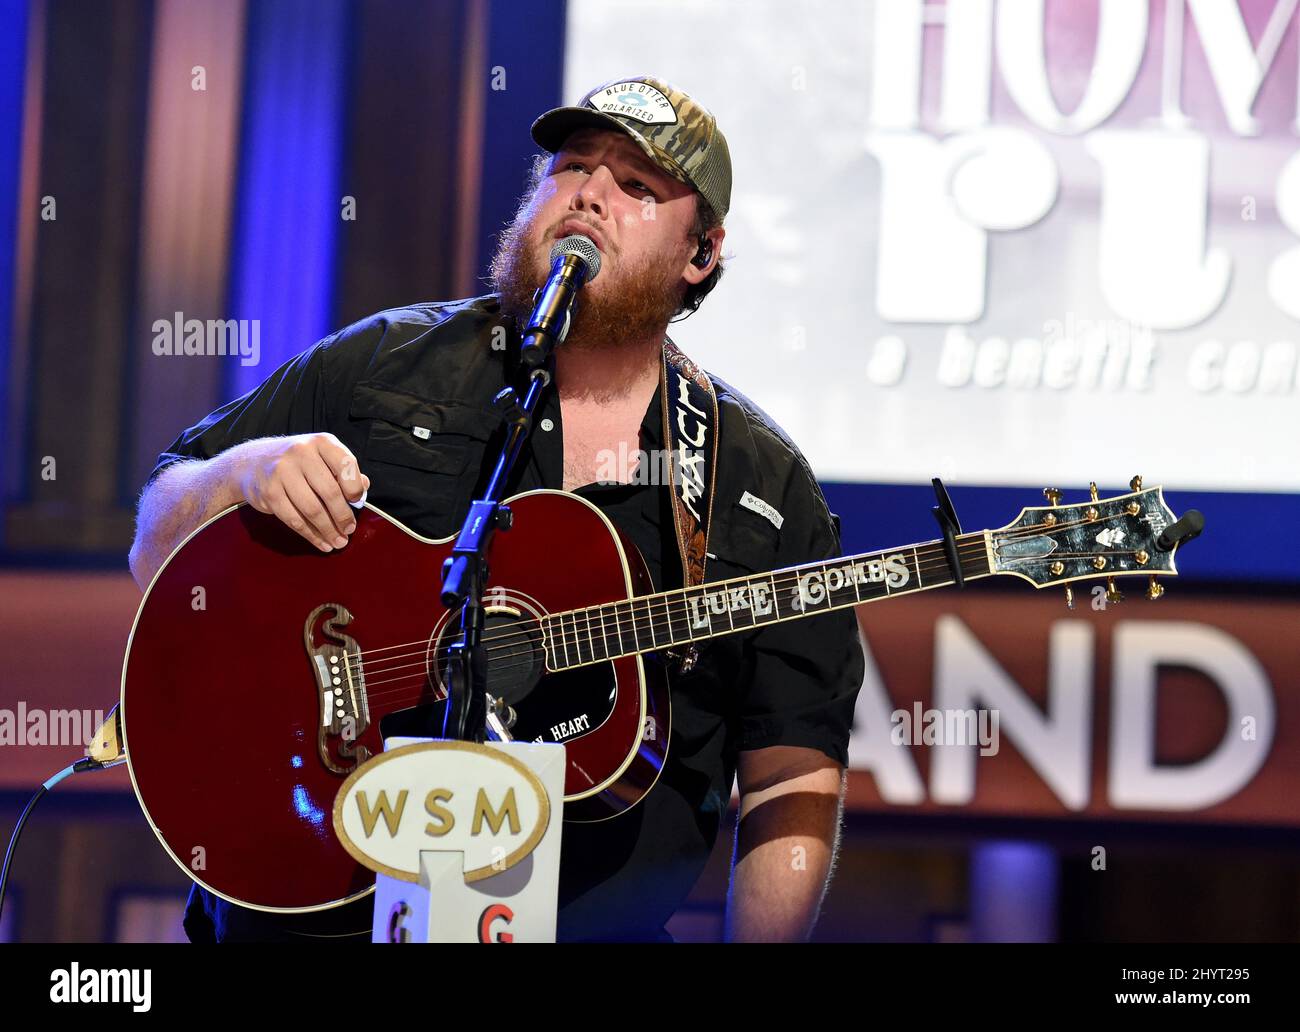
x,y
77,768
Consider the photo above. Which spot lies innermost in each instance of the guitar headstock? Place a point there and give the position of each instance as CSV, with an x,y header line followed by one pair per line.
x,y
1133,534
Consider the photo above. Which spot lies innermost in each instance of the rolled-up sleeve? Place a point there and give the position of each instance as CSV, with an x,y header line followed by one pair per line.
x,y
806,672
289,401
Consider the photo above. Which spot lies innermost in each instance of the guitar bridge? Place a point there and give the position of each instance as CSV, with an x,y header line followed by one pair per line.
x,y
344,714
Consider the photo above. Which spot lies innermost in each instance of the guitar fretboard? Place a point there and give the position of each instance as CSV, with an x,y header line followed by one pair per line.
x,y
648,623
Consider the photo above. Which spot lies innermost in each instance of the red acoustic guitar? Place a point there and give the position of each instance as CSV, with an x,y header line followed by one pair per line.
x,y
259,668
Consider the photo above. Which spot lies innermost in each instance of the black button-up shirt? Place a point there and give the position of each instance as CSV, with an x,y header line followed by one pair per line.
x,y
437,367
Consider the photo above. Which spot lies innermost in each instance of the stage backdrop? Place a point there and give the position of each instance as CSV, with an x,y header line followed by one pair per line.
x,y
1017,244
1010,244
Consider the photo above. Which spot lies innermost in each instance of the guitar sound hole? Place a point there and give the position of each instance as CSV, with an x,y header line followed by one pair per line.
x,y
514,652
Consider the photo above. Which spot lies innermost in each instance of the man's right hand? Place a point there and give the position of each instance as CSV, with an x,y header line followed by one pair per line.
x,y
307,481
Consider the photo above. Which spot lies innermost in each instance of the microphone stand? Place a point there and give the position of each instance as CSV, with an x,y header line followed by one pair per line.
x,y
465,572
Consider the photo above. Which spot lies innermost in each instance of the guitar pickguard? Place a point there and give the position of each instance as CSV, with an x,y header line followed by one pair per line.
x,y
344,714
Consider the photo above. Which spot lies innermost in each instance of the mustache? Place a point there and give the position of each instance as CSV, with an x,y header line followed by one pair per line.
x,y
637,301
599,236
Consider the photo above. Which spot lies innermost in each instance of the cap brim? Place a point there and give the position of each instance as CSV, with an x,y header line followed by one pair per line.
x,y
553,128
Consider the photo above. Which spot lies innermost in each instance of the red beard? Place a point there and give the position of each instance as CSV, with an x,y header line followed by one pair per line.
x,y
631,307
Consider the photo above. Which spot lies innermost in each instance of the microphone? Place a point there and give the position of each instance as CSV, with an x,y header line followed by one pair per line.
x,y
575,261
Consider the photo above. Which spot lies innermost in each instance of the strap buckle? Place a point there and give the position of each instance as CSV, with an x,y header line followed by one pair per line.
x,y
686,656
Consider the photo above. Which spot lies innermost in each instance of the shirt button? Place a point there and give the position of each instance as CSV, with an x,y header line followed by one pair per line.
x,y
548,424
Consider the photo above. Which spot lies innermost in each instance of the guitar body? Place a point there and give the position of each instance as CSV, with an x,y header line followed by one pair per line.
x,y
259,670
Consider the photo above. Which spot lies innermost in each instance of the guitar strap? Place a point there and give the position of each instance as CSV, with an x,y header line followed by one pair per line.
x,y
690,415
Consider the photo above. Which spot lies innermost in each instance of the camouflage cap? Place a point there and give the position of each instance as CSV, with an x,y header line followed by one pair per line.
x,y
676,132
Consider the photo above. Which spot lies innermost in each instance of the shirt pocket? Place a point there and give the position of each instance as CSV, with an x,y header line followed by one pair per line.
x,y
742,543
422,456
406,430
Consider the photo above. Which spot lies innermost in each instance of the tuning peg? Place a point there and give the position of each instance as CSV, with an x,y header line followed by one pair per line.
x,y
1053,495
1113,594
1136,483
1155,589
1069,597
1092,486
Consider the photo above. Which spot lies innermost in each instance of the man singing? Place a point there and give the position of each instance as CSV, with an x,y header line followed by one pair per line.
x,y
404,396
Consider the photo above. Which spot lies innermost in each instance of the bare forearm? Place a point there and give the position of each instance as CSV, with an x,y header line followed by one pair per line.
x,y
179,500
784,852
308,481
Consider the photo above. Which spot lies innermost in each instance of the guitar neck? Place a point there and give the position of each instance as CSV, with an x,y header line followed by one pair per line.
x,y
650,623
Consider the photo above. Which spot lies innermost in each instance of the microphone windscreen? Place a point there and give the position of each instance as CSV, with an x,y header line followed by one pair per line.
x,y
581,246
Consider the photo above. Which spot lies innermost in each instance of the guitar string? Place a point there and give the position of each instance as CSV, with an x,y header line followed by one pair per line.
x,y
512,660
528,646
530,628
965,552
973,546
516,658
630,622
